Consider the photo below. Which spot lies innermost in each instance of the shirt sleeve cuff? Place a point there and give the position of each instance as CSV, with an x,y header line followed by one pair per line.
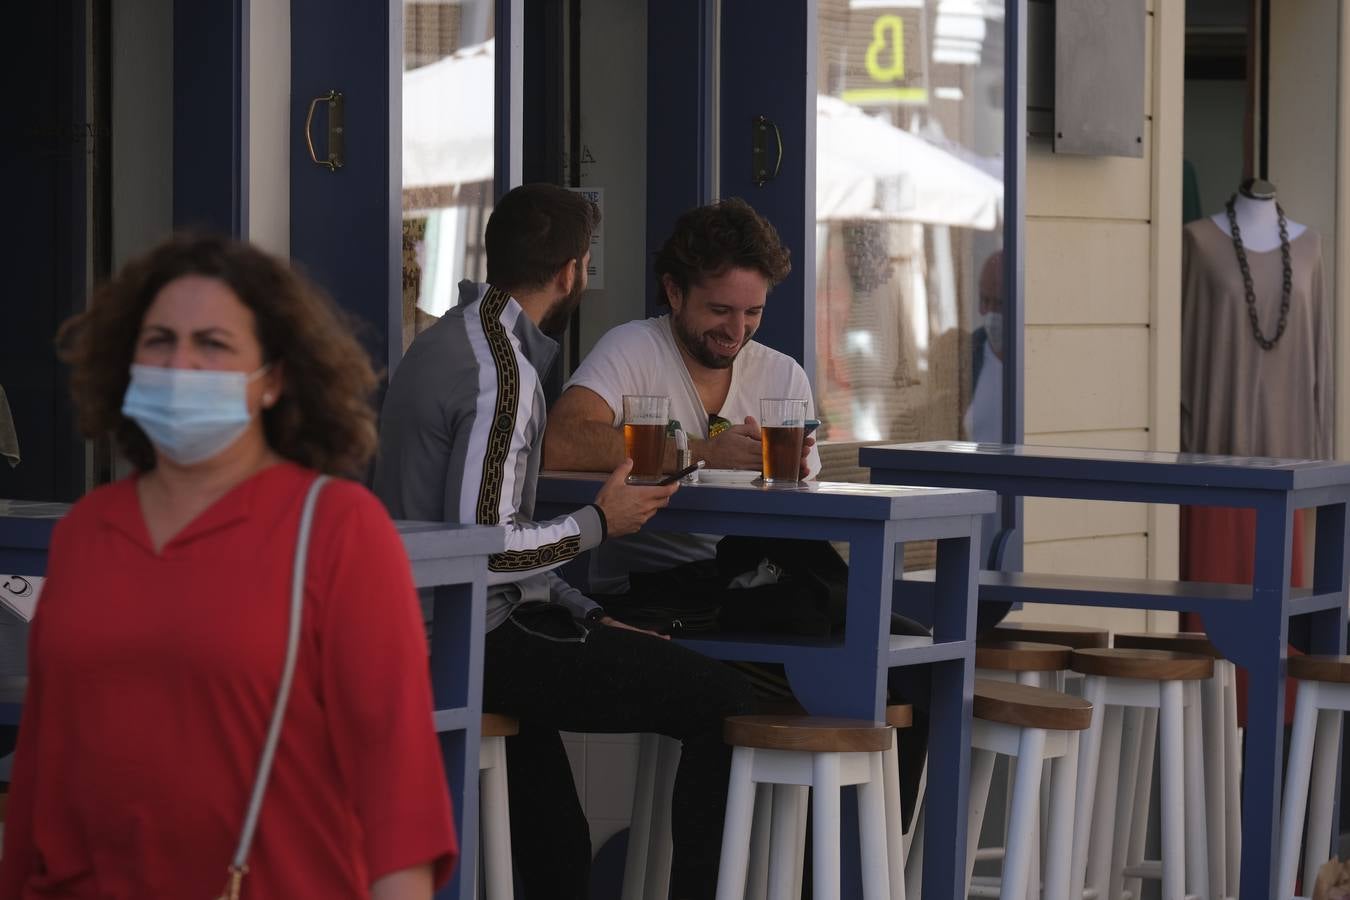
x,y
604,523
591,521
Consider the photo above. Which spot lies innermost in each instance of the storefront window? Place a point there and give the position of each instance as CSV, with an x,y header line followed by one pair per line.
x,y
448,115
909,216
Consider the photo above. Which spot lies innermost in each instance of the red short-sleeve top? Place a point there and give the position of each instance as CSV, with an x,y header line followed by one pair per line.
x,y
153,676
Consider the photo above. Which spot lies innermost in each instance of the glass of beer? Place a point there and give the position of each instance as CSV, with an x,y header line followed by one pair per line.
x,y
782,428
644,436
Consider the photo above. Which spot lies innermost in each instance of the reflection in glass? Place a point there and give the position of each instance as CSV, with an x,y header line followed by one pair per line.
x,y
448,71
909,212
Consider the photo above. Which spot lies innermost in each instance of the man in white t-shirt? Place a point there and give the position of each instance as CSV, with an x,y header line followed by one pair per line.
x,y
715,273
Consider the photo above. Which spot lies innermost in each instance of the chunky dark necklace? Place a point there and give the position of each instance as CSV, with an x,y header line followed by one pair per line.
x,y
1261,339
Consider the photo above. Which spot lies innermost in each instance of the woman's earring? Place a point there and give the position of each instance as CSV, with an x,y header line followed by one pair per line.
x,y
267,399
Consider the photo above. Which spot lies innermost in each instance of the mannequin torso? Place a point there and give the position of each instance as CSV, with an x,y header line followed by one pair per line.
x,y
1258,222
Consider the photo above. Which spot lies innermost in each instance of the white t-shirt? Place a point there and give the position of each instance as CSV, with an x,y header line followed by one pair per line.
x,y
983,420
642,358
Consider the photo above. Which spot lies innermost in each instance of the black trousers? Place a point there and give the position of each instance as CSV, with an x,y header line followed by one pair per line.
x,y
540,669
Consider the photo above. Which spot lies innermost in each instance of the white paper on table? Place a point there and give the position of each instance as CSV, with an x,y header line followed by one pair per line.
x,y
19,595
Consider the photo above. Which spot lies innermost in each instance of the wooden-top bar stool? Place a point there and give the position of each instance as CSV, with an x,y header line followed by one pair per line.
x,y
1035,665
1033,725
1222,749
495,806
1027,662
797,753
1323,696
1169,683
1078,637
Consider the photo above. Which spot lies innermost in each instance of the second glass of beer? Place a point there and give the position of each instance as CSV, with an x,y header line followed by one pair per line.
x,y
782,428
644,435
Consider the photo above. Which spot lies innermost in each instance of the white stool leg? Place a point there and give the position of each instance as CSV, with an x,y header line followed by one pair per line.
x,y
662,845
1171,753
496,818
640,823
757,881
914,860
981,774
1131,735
1232,771
736,832
789,834
1299,767
1026,807
1089,749
825,825
1197,837
895,858
918,805
1102,839
1216,796
1143,796
1037,680
1326,755
1059,838
872,828
799,873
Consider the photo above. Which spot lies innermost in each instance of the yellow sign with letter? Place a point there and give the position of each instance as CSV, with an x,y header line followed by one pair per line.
x,y
891,41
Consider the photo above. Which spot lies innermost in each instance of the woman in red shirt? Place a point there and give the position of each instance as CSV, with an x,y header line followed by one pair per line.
x,y
156,652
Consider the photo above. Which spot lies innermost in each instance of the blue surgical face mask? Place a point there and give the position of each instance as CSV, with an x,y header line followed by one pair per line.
x,y
993,327
190,415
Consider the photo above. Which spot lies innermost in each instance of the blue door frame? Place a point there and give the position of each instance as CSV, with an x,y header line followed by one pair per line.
x,y
210,116
346,224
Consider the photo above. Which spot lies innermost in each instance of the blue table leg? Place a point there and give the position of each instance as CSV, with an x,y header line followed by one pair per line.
x,y
1264,639
1327,628
853,683
456,683
944,859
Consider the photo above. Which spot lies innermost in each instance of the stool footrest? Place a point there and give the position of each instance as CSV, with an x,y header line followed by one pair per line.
x,y
1149,868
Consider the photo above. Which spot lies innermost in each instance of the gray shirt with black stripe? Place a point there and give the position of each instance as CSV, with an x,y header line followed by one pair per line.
x,y
461,432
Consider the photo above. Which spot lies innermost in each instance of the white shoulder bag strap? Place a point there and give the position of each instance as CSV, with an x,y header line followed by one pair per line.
x,y
239,865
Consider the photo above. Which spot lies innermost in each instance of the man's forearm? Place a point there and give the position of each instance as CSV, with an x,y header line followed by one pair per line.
x,y
582,447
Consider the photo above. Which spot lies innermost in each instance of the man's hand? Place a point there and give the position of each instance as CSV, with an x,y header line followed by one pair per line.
x,y
628,506
736,448
615,623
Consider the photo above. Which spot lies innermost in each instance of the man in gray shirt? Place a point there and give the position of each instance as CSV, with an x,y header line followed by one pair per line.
x,y
460,436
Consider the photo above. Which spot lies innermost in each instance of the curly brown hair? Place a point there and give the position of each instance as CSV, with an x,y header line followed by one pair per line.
x,y
323,420
709,240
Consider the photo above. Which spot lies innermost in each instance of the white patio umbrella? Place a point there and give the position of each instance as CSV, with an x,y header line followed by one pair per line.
x,y
869,169
448,119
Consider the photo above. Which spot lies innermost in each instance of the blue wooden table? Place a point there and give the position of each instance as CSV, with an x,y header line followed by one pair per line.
x,y
847,676
1248,623
451,559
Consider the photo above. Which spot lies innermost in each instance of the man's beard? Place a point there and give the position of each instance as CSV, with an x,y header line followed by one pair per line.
x,y
560,313
697,347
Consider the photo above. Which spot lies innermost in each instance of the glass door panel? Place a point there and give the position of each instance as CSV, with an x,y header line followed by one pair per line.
x,y
449,52
909,220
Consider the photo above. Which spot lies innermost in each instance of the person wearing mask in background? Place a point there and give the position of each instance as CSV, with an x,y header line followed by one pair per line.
x,y
983,419
230,384
460,442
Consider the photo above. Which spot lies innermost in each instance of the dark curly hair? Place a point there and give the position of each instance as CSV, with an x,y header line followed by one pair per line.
x,y
323,420
709,240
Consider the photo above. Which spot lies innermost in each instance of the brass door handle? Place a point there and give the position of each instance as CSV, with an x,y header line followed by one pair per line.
x,y
335,128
